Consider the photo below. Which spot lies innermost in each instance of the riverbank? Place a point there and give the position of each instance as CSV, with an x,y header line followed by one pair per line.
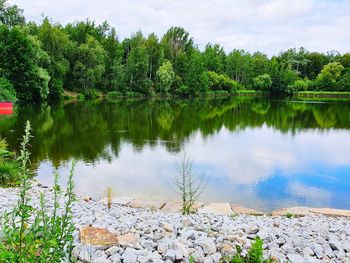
x,y
134,234
323,95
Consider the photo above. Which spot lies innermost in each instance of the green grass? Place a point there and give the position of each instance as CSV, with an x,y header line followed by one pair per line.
x,y
252,92
334,94
9,167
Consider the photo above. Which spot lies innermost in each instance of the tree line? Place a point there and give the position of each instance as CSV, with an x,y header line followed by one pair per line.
x,y
39,61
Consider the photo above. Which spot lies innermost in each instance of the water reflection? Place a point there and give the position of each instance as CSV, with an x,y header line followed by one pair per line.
x,y
257,152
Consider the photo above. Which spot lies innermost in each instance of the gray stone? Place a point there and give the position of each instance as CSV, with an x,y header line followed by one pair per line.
x,y
308,252
129,255
99,257
254,229
170,255
207,245
295,258
115,258
335,244
85,254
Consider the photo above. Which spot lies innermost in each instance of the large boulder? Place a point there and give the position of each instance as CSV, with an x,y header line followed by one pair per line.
x,y
97,236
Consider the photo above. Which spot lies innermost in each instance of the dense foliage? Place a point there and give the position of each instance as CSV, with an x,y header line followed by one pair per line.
x,y
41,60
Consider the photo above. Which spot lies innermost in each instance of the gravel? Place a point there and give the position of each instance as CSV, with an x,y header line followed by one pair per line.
x,y
170,237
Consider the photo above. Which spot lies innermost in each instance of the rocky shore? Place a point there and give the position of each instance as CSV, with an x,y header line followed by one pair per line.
x,y
154,231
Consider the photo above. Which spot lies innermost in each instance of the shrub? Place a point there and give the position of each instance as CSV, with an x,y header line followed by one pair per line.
x,y
222,82
183,91
91,94
301,85
35,235
8,166
114,95
262,82
7,91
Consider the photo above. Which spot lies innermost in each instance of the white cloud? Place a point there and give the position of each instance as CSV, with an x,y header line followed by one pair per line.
x,y
268,26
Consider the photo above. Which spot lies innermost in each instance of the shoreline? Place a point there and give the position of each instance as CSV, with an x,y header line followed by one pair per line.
x,y
151,235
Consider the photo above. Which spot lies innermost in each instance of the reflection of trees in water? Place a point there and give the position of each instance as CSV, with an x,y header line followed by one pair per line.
x,y
91,131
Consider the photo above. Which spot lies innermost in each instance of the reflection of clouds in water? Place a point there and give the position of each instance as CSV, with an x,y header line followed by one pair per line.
x,y
313,195
236,163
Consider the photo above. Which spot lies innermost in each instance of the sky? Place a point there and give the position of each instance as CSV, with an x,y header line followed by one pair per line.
x,y
269,26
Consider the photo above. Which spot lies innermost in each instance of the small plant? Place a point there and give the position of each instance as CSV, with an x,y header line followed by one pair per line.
x,y
32,234
188,185
109,195
254,255
191,259
289,215
233,216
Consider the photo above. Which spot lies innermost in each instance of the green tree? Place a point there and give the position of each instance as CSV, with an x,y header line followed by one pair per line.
x,y
281,75
21,61
316,62
89,67
344,82
195,76
119,77
114,53
176,42
262,82
10,15
155,55
137,70
221,82
238,66
214,58
301,85
165,77
329,76
7,92
56,43
259,64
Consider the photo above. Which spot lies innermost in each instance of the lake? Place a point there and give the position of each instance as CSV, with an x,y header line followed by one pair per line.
x,y
256,152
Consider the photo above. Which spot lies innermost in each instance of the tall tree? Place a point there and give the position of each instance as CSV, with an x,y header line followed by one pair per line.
x,y
214,58
176,43
56,43
89,67
21,61
10,15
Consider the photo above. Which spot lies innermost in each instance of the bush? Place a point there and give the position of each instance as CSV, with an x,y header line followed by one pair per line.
x,y
35,235
8,166
262,82
114,95
301,85
183,91
7,91
222,82
91,94
222,92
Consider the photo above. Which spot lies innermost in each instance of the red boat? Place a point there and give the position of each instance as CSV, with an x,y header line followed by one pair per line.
x,y
6,108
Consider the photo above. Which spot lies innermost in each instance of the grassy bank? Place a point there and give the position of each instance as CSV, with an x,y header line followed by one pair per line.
x,y
208,94
322,94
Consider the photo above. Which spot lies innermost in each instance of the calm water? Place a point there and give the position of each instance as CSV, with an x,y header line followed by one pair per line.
x,y
259,153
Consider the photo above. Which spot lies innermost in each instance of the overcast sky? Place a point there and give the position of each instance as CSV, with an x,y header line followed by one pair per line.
x,y
269,26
